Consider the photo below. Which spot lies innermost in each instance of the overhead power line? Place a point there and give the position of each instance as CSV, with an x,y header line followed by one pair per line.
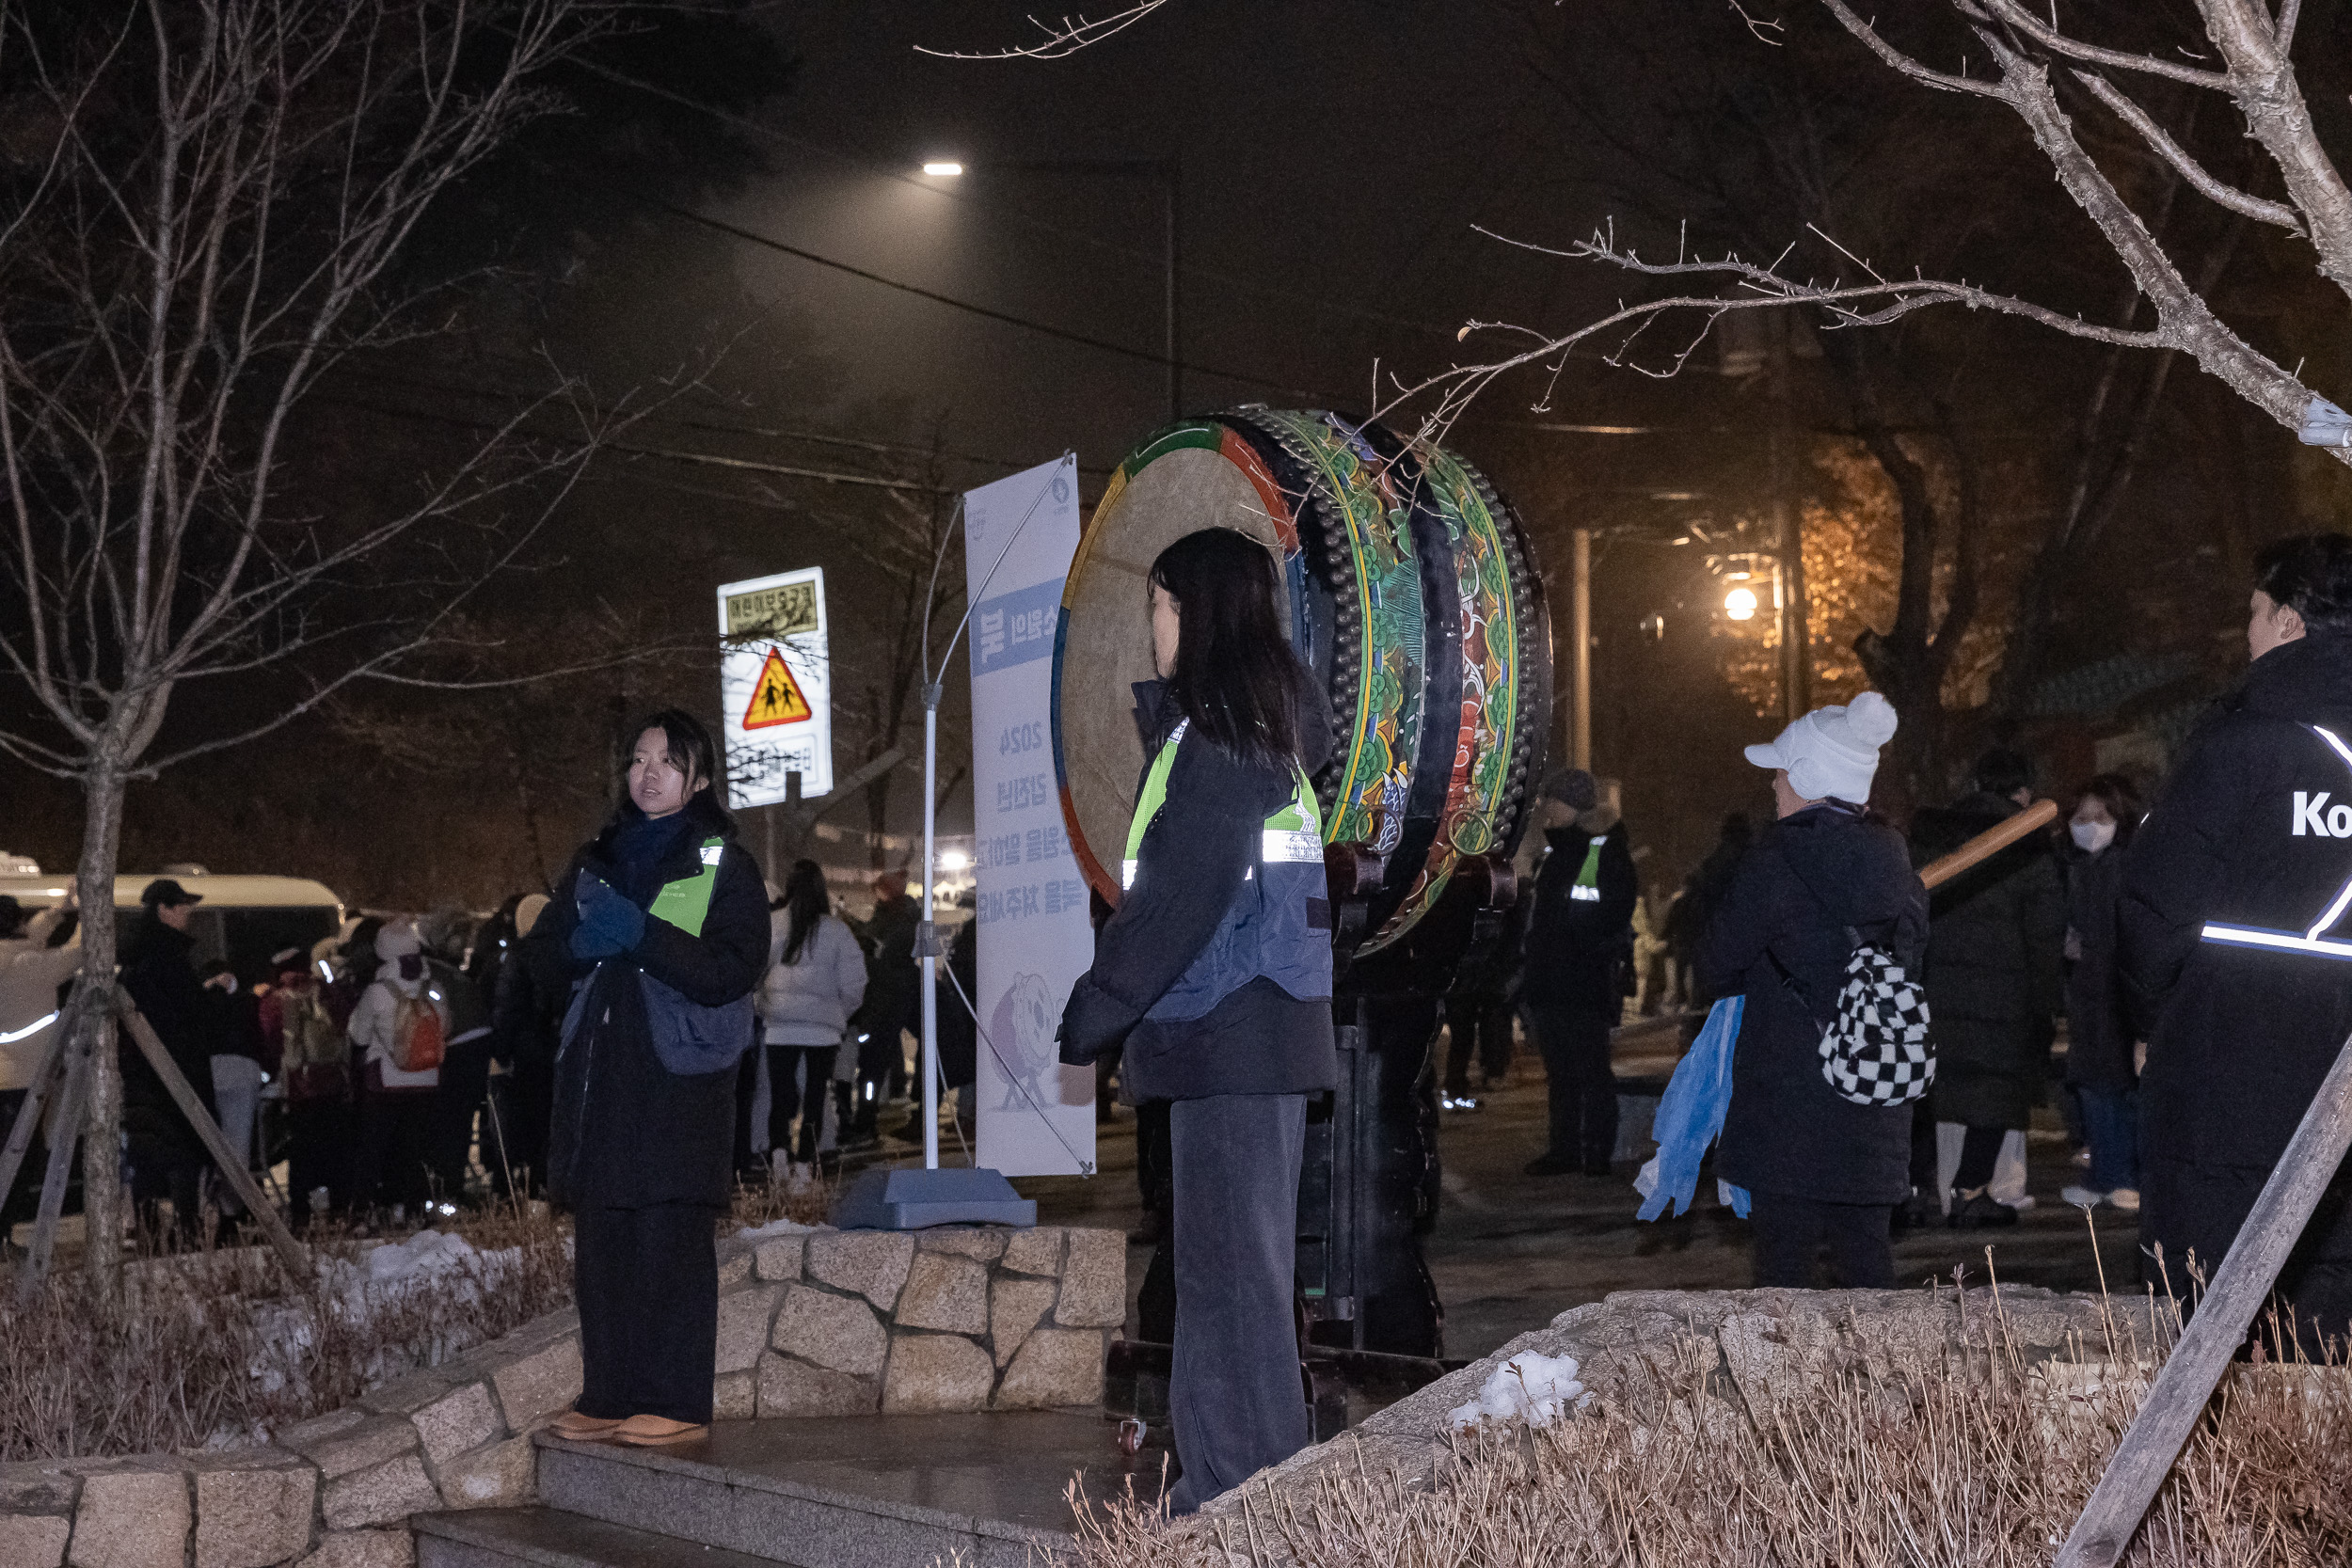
x,y
1043,329
877,166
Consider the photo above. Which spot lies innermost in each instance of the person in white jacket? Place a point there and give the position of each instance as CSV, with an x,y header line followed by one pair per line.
x,y
816,979
395,1107
30,973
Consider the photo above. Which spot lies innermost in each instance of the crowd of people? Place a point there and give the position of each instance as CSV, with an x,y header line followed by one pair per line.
x,y
408,1067
2182,952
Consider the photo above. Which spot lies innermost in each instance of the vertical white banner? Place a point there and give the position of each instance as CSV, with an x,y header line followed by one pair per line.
x,y
1036,1116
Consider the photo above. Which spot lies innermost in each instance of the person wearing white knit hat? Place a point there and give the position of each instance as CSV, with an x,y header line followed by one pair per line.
x,y
1821,1170
1831,754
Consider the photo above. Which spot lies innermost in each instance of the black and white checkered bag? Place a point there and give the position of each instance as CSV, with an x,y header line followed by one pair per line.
x,y
1876,1051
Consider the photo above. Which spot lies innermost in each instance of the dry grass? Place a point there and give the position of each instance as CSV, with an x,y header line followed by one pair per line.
x,y
208,1348
1986,1467
205,1348
808,1203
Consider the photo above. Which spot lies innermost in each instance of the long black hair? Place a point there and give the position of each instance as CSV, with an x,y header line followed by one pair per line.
x,y
805,901
690,751
1236,677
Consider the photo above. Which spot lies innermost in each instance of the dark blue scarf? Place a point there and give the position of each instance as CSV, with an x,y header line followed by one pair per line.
x,y
638,848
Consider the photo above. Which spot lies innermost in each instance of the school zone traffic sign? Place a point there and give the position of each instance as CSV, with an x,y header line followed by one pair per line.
x,y
775,687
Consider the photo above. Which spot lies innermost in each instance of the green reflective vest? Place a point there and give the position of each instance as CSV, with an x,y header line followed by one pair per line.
x,y
1279,926
684,902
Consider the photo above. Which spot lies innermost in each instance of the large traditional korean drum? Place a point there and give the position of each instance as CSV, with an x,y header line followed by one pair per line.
x,y
1410,593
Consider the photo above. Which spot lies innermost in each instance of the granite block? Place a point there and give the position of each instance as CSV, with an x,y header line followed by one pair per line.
x,y
946,1292
253,1509
135,1514
1037,1251
389,1492
872,1263
838,1333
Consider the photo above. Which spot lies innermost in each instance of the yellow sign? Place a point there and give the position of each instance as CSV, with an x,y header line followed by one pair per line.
x,y
783,610
775,696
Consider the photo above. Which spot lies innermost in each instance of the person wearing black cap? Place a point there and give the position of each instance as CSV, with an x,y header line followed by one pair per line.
x,y
159,975
1579,934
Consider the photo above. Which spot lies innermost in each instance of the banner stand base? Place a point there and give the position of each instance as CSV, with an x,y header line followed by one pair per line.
x,y
914,1200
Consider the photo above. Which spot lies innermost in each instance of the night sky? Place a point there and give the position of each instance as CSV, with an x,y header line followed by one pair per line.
x,y
1338,162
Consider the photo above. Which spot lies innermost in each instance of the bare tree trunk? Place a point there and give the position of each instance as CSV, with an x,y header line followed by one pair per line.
x,y
101,1135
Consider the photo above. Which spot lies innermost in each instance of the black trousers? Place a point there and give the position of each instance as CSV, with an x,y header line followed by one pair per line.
x,y
464,1086
1477,1025
1235,1395
1979,1152
2193,1213
1791,1232
318,1144
394,1147
648,1280
786,1100
1574,1041
514,1138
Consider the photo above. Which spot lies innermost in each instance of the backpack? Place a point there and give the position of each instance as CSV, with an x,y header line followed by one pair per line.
x,y
1876,1051
315,1057
1875,1048
416,1034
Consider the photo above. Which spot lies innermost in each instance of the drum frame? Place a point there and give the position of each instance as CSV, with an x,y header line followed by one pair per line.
x,y
1452,724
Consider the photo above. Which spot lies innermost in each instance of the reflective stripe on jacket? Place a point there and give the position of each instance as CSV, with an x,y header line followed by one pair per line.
x,y
1278,925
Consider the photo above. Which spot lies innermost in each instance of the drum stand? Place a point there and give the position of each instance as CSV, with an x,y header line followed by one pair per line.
x,y
1368,1186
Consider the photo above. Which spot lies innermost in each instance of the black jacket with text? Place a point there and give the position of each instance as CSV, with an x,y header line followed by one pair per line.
x,y
2253,830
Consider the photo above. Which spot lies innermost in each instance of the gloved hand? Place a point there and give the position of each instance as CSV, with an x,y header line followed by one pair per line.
x,y
608,923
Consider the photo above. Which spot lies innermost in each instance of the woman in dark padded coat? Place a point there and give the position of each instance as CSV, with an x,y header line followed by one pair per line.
x,y
665,920
1819,1167
1214,973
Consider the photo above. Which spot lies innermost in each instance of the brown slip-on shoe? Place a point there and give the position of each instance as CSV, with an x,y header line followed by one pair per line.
x,y
658,1432
577,1428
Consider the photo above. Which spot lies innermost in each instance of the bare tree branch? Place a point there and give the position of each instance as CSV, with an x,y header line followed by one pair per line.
x,y
2190,168
1062,38
2016,15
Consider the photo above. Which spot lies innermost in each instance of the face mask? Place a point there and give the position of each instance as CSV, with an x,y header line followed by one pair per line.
x,y
2091,837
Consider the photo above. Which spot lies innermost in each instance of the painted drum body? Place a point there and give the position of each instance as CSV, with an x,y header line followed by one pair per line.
x,y
1409,592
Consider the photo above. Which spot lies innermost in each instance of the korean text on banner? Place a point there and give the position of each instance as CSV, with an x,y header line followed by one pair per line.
x,y
1036,1116
775,687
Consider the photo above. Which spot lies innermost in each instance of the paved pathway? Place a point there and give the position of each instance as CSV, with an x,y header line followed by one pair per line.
x,y
1510,1251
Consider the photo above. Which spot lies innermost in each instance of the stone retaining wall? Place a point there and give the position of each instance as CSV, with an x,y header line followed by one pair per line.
x,y
819,1322
1764,1347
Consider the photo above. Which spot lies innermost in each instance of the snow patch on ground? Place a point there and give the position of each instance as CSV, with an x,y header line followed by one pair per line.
x,y
1531,1387
777,1228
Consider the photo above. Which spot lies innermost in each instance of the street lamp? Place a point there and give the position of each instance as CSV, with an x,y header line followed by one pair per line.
x,y
1169,174
1740,604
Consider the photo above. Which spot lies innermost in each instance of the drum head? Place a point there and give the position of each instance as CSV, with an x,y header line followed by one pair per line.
x,y
1184,482
1405,588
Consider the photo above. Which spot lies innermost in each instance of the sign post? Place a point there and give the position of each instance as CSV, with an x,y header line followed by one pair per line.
x,y
775,687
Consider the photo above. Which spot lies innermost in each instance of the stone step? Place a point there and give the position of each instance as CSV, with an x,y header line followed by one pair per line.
x,y
981,1490
550,1538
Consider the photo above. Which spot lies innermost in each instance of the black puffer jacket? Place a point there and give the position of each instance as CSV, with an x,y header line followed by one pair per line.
x,y
1782,937
2099,1037
1258,1040
628,1131
1996,936
2239,1039
1576,947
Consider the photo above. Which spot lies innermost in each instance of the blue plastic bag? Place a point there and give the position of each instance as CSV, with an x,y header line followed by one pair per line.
x,y
1690,1116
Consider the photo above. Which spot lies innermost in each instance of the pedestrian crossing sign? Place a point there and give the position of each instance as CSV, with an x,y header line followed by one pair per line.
x,y
776,697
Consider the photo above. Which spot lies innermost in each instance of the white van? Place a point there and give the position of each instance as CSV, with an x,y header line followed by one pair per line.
x,y
242,919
